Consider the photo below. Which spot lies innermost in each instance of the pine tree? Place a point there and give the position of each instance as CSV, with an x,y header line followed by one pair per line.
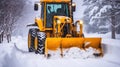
x,y
103,13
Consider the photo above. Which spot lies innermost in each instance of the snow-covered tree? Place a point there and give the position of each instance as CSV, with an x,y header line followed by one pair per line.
x,y
10,11
118,22
102,14
93,7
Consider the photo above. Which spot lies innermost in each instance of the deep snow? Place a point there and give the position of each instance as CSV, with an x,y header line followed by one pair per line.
x,y
20,57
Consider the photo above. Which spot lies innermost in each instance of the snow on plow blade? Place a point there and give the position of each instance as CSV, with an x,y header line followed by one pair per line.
x,y
65,43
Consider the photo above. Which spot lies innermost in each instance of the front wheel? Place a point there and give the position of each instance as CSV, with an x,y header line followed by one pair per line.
x,y
31,38
41,42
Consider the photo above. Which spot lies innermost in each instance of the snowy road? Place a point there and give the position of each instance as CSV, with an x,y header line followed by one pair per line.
x,y
12,57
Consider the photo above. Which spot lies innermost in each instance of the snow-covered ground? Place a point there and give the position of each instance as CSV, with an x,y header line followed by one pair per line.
x,y
18,56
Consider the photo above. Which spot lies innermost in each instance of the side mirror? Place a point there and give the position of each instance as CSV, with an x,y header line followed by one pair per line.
x,y
36,7
73,7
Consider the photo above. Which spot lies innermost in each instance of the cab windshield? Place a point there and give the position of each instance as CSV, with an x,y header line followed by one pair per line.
x,y
55,9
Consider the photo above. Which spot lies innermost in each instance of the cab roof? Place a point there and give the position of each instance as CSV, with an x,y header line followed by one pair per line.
x,y
56,1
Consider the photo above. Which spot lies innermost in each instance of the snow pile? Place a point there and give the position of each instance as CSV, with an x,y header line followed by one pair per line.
x,y
79,53
19,58
73,52
54,54
20,42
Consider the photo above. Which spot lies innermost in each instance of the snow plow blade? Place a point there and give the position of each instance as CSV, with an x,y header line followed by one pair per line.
x,y
65,43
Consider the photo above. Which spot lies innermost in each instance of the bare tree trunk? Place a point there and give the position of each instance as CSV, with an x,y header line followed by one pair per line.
x,y
0,38
113,27
8,38
118,30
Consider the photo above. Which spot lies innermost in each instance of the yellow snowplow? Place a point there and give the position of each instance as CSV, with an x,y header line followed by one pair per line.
x,y
56,29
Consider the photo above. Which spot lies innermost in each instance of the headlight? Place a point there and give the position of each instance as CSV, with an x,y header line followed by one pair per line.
x,y
67,20
81,22
58,22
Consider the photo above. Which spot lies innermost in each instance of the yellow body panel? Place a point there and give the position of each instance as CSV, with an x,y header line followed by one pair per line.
x,y
39,23
72,42
55,1
62,19
59,24
48,28
54,43
80,22
93,42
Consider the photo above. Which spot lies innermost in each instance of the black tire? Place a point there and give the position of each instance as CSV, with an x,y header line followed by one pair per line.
x,y
33,34
41,42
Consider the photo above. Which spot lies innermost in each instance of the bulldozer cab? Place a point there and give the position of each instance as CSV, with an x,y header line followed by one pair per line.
x,y
55,9
51,8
